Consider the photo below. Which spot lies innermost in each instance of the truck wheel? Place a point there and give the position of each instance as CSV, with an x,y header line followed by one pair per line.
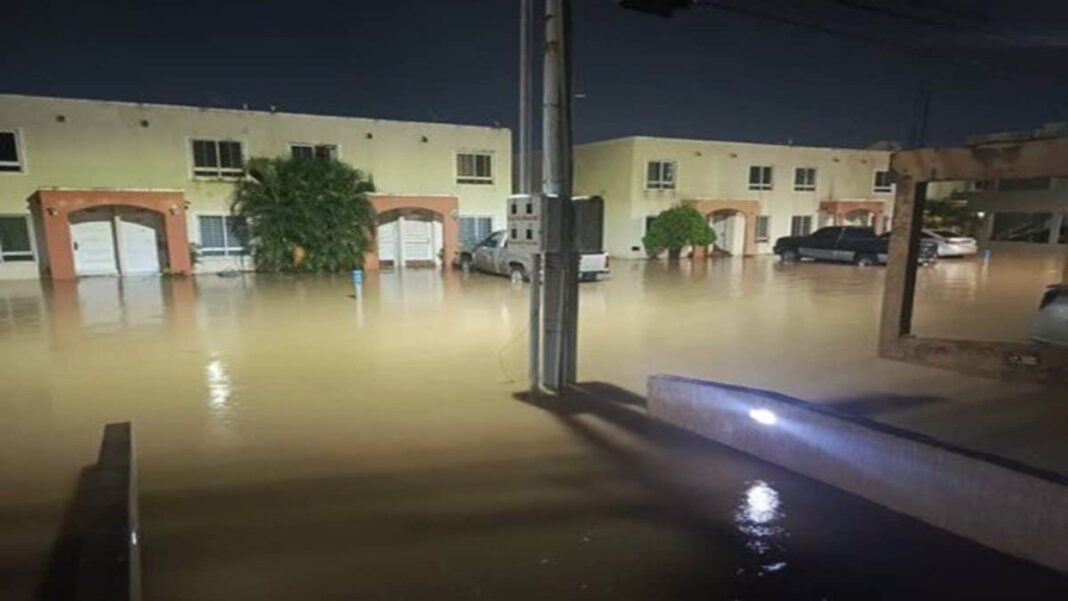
x,y
790,256
517,274
466,263
866,260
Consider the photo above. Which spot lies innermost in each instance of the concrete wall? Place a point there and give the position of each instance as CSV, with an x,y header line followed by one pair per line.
x,y
101,144
715,170
1009,507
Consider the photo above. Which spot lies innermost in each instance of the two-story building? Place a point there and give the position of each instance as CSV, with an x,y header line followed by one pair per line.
x,y
751,193
99,187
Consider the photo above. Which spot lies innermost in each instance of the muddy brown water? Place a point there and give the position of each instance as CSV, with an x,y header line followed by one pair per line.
x,y
297,443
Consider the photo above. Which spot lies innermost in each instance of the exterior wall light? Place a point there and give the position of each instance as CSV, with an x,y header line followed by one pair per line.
x,y
52,211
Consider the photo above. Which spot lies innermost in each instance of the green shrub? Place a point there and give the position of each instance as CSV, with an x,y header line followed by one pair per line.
x,y
677,228
308,215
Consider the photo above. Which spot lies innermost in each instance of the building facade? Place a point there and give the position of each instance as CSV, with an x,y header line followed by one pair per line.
x,y
751,193
99,187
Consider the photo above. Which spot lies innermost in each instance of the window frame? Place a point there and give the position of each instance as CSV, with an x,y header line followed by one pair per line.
x,y
230,175
766,220
336,153
32,253
226,250
886,189
475,180
806,187
20,153
662,183
761,184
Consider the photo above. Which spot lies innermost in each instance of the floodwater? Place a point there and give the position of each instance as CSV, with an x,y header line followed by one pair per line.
x,y
295,442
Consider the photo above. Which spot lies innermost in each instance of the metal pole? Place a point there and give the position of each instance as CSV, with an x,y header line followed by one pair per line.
x,y
526,81
561,265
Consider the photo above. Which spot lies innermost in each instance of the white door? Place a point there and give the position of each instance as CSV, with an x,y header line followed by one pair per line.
x,y
418,240
387,242
94,248
723,226
140,255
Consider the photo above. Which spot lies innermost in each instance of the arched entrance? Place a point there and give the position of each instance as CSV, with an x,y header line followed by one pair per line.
x,y
414,231
730,227
111,232
112,240
410,237
859,217
736,220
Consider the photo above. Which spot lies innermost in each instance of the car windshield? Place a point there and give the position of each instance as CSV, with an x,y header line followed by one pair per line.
x,y
947,234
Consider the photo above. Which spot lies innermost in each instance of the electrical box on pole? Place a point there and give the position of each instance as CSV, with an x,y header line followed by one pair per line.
x,y
530,216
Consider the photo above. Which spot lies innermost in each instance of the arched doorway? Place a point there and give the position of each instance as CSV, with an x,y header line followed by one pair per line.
x,y
112,240
410,237
859,217
111,232
729,226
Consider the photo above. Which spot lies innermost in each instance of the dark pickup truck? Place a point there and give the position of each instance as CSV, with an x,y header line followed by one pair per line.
x,y
859,245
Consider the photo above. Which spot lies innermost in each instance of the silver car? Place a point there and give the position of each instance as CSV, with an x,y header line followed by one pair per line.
x,y
1051,324
493,255
952,244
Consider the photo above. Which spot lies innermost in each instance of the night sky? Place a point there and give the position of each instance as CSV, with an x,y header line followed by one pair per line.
x,y
814,72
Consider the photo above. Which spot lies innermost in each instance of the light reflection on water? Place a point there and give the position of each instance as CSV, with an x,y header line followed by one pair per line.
x,y
759,518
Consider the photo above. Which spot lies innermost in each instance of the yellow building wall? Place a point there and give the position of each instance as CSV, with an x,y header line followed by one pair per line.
x,y
99,144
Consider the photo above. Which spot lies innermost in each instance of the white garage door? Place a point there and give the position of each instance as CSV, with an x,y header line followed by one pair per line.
x,y
94,248
140,254
387,241
418,240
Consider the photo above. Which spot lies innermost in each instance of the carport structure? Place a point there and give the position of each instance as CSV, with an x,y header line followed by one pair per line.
x,y
914,169
747,209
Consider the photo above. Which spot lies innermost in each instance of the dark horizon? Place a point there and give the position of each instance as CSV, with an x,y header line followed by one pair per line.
x,y
811,73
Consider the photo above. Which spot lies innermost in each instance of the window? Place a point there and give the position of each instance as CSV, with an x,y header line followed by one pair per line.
x,y
883,182
218,158
223,235
16,244
805,179
10,153
759,177
475,229
801,225
313,151
763,228
474,168
660,175
828,233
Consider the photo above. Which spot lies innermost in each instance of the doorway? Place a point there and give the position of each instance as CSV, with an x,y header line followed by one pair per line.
x,y
111,240
729,226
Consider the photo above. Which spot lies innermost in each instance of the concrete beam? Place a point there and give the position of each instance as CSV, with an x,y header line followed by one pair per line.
x,y
1010,507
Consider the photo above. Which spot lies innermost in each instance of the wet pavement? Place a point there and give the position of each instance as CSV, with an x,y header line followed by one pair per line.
x,y
295,442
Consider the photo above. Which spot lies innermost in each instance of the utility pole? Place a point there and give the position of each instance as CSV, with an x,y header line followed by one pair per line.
x,y
560,326
526,184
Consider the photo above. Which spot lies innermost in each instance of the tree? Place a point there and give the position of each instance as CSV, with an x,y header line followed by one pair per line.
x,y
677,228
306,214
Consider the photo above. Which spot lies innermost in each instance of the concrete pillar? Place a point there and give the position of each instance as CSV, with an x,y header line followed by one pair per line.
x,y
1055,228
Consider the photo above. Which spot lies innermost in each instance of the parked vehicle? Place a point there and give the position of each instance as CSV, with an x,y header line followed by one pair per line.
x,y
1051,324
952,244
849,244
492,255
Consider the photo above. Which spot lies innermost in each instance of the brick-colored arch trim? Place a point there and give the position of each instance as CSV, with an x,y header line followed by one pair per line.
x,y
838,209
51,211
448,207
749,208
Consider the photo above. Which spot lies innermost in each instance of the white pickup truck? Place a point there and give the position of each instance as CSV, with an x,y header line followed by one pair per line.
x,y
492,255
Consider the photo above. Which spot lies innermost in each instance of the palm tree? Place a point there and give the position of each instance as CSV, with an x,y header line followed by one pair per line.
x,y
306,214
